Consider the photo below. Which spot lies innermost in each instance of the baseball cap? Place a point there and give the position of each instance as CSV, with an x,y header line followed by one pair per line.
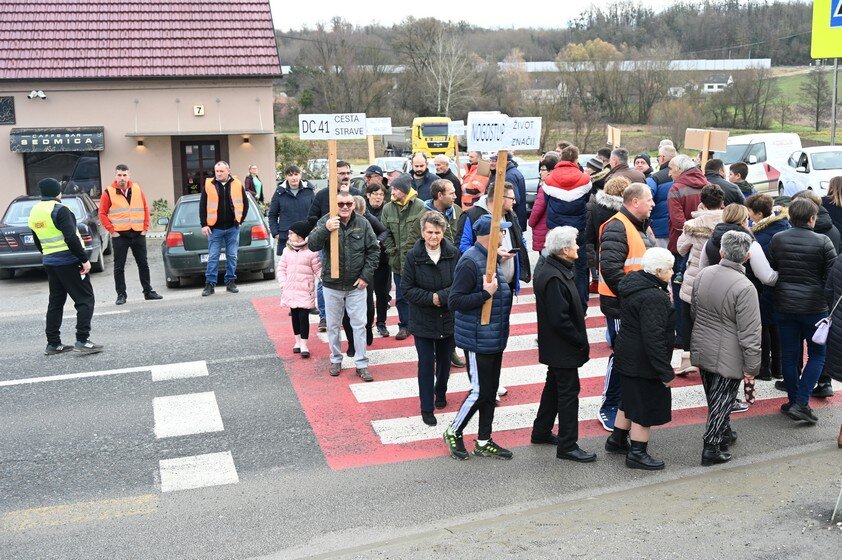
x,y
483,225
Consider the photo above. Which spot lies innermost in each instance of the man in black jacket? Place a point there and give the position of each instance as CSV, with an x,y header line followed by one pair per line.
x,y
443,171
55,235
562,345
715,174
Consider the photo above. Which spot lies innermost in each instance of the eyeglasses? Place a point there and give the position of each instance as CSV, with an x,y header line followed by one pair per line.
x,y
509,198
345,204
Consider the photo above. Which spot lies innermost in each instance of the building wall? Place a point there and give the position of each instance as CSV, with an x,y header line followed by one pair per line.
x,y
156,112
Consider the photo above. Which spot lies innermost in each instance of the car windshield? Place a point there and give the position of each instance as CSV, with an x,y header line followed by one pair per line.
x,y
18,212
391,164
186,215
735,153
529,169
827,160
434,129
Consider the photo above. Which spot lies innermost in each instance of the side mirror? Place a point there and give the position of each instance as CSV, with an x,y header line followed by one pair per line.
x,y
163,221
801,169
752,159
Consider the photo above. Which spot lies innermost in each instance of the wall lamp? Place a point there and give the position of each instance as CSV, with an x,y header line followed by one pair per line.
x,y
140,143
37,94
246,140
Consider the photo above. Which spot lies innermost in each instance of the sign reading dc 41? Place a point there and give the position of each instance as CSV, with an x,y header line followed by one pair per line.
x,y
339,126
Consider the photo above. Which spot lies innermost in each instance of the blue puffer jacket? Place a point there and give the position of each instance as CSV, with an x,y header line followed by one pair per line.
x,y
466,299
287,208
660,183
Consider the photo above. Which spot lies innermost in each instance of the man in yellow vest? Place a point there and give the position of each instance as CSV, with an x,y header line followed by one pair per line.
x,y
622,241
124,212
222,208
54,231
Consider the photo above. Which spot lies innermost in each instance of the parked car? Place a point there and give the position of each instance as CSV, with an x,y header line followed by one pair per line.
x,y
185,249
17,246
388,164
810,168
529,169
765,155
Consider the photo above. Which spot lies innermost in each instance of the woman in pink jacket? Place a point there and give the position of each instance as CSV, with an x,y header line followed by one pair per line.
x,y
298,269
538,216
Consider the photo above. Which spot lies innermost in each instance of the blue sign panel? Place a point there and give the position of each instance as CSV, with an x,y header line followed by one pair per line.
x,y
836,13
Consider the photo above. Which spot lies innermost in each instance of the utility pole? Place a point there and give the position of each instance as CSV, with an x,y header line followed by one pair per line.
x,y
835,98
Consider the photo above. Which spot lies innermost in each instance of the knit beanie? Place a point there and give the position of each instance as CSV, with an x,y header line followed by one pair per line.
x,y
402,182
301,229
49,187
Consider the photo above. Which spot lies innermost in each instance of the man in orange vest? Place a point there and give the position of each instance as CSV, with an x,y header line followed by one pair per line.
x,y
222,208
622,241
124,212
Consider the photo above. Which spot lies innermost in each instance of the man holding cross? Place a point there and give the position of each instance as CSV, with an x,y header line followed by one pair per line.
x,y
359,255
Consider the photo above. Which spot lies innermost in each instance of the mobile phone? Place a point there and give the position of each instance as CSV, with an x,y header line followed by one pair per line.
x,y
513,251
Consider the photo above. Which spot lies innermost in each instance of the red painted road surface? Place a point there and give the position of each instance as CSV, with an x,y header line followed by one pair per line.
x,y
343,426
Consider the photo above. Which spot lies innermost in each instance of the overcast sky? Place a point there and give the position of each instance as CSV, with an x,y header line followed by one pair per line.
x,y
291,14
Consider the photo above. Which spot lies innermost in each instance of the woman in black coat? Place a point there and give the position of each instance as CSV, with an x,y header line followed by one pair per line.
x,y
562,345
425,280
833,292
642,357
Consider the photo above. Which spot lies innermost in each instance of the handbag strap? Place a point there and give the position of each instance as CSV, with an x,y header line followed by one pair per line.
x,y
835,306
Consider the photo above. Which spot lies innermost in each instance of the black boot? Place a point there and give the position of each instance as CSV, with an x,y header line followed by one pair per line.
x,y
618,441
713,456
729,438
638,458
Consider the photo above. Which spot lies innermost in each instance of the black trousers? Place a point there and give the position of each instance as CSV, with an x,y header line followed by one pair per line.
x,y
300,322
686,326
433,369
484,371
66,281
122,245
560,397
770,351
382,288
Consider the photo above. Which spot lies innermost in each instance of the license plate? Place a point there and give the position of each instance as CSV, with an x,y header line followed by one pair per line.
x,y
204,258
27,239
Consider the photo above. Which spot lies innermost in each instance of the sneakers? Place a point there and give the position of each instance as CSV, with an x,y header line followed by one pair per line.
x,y
52,350
231,287
382,330
322,325
678,279
739,406
335,369
823,391
456,445
209,289
686,367
781,386
802,412
606,418
121,300
491,449
403,334
152,295
364,374
87,347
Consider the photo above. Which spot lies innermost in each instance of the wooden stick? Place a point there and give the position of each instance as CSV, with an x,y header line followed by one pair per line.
x,y
705,151
371,150
333,189
494,239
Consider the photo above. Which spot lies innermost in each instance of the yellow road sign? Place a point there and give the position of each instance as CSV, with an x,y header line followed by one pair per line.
x,y
827,29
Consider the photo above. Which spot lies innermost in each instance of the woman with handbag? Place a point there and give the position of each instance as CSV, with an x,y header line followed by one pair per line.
x,y
833,294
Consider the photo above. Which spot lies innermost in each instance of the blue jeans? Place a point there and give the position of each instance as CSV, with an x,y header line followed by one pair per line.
x,y
231,238
401,303
433,369
795,328
320,300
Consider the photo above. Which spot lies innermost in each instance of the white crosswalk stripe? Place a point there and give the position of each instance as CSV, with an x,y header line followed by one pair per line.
x,y
182,415
198,471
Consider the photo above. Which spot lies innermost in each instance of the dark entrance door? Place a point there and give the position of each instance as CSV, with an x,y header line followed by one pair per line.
x,y
197,161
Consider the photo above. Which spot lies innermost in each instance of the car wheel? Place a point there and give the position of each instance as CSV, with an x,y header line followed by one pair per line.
x,y
109,248
269,274
99,264
7,273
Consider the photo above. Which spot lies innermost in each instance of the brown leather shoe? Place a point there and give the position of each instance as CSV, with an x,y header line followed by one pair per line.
x,y
403,334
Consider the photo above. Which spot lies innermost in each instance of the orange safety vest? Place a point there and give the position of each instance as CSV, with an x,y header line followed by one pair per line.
x,y
125,215
237,194
634,258
473,187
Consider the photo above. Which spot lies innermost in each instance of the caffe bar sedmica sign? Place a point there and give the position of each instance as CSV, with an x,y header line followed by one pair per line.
x,y
29,140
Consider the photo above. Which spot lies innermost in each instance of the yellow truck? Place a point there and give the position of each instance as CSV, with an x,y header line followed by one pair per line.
x,y
429,135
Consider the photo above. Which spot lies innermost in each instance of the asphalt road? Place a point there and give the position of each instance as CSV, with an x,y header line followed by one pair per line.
x,y
97,459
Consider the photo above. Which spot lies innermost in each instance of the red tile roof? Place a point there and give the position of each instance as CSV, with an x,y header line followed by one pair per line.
x,y
72,39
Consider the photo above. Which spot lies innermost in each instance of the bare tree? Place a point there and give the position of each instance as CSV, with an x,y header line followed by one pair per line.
x,y
674,116
816,93
450,73
752,94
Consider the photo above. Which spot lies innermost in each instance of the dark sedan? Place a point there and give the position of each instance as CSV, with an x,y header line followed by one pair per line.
x,y
185,249
17,247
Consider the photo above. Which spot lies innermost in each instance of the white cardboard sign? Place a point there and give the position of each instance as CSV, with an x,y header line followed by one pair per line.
x,y
488,133
456,128
526,133
338,126
378,126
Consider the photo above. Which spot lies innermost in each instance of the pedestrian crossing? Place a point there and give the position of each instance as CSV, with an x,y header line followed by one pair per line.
x,y
380,422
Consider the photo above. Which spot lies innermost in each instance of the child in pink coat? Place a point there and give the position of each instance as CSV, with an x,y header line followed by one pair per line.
x,y
297,270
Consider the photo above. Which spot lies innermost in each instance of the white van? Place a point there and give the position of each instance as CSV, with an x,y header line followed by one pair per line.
x,y
765,154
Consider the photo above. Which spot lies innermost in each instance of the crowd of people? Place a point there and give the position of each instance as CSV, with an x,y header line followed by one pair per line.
x,y
677,254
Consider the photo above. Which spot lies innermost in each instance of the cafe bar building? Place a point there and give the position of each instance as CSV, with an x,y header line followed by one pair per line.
x,y
166,87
